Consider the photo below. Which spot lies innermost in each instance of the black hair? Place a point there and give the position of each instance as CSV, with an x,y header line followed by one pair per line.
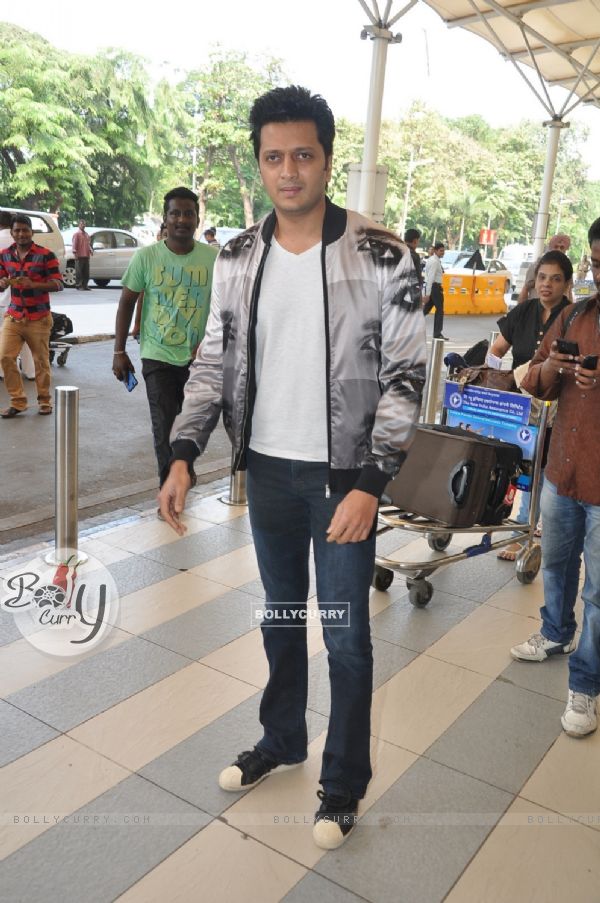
x,y
180,192
594,231
438,245
209,232
292,104
21,218
411,234
6,219
559,258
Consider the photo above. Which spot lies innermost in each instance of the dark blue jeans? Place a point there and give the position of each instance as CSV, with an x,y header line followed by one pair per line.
x,y
288,509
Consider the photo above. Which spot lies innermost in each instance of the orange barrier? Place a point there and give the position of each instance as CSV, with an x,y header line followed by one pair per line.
x,y
474,294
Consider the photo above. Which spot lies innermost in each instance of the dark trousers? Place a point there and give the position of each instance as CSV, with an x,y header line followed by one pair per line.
x,y
436,299
82,272
164,388
288,509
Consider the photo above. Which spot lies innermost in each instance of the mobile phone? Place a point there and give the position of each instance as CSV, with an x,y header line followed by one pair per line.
x,y
565,347
590,362
131,382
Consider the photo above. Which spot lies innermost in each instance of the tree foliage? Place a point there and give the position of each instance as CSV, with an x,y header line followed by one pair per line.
x,y
95,136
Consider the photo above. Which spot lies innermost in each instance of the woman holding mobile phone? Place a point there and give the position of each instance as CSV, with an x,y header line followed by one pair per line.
x,y
523,329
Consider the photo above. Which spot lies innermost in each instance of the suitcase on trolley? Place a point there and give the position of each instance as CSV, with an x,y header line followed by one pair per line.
x,y
457,477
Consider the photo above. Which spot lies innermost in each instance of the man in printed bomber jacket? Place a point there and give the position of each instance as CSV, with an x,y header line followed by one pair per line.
x,y
315,353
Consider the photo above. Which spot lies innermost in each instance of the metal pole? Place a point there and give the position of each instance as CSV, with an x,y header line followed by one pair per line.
x,y
381,38
237,487
66,446
540,227
434,372
493,336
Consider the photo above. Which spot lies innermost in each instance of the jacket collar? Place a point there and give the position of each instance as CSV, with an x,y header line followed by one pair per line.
x,y
334,223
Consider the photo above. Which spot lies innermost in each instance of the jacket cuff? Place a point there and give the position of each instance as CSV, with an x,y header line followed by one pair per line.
x,y
373,480
182,450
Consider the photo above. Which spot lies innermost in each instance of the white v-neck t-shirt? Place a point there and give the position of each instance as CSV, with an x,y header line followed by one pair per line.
x,y
290,410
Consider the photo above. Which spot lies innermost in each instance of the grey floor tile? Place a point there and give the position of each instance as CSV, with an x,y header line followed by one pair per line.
x,y
550,678
20,733
501,737
94,685
241,524
9,632
254,588
313,887
418,628
198,548
418,837
207,627
97,862
476,578
388,659
394,539
138,572
190,770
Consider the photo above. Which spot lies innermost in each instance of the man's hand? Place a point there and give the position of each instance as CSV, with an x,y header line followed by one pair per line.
x,y
122,365
171,497
586,379
353,518
557,363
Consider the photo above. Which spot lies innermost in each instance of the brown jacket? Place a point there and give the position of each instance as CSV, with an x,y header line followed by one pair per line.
x,y
574,457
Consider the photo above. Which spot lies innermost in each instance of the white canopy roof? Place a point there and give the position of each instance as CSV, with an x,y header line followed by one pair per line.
x,y
559,39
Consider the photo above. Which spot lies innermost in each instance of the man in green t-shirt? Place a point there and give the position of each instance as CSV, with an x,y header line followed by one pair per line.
x,y
175,276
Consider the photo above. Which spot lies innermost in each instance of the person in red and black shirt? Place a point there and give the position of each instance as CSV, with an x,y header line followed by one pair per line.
x,y
31,272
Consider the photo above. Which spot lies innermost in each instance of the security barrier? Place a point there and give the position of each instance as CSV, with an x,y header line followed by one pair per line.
x,y
468,293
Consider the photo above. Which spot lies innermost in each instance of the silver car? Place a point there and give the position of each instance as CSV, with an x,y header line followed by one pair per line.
x,y
113,249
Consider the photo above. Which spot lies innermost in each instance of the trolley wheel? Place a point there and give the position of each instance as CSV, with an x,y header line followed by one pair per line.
x,y
61,360
382,578
51,355
419,592
528,564
439,541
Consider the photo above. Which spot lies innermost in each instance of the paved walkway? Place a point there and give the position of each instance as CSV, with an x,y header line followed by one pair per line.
x,y
109,786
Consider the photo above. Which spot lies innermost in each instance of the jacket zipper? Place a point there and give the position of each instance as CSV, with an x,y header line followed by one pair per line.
x,y
249,358
327,369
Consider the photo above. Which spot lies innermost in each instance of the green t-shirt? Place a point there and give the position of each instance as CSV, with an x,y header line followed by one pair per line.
x,y
176,299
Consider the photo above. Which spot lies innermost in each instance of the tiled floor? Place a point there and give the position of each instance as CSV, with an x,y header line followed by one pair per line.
x,y
108,788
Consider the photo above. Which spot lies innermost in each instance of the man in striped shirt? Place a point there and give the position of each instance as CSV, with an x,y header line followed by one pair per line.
x,y
32,272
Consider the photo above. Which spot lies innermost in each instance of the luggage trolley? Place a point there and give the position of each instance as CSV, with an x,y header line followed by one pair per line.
x,y
439,536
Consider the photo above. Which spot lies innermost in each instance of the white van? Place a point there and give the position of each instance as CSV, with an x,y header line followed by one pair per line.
x,y
45,232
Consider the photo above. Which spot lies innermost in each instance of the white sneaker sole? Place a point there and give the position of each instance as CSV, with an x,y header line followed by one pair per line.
x,y
230,778
327,835
578,733
523,657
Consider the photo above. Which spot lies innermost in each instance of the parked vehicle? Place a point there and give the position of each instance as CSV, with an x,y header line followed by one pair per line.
x,y
113,249
45,231
494,266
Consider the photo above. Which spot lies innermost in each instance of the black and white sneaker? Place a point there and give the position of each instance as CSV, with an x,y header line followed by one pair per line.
x,y
336,817
249,769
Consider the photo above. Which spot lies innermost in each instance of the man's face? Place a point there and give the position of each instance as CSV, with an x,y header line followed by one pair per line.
x,y
82,224
560,243
595,263
293,166
181,219
440,251
22,234
412,244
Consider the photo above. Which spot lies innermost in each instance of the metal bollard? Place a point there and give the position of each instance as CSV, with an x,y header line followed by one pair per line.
x,y
237,487
434,372
66,451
